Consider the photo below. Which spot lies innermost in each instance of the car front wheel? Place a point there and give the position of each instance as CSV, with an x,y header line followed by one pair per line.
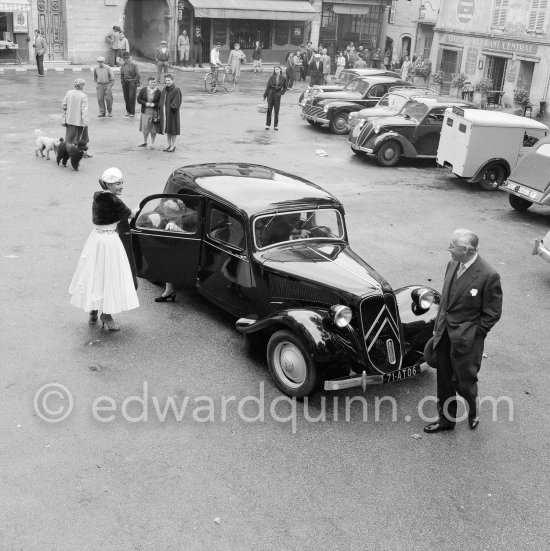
x,y
492,177
389,153
339,123
519,203
290,364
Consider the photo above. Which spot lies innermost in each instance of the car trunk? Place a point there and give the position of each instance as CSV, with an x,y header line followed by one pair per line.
x,y
532,172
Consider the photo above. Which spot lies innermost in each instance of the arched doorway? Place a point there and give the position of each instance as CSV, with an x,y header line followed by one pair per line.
x,y
146,23
405,46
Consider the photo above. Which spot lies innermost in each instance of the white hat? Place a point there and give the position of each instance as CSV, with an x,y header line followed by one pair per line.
x,y
112,175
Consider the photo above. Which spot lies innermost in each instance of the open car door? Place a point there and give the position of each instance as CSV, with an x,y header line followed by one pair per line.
x,y
166,238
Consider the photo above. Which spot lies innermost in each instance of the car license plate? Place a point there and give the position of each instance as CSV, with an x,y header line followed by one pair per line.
x,y
401,374
523,190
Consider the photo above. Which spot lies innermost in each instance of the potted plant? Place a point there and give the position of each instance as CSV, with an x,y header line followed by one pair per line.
x,y
521,96
421,69
483,86
438,79
458,80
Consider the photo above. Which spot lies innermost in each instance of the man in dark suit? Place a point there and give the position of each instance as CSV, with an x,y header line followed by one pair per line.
x,y
471,303
316,71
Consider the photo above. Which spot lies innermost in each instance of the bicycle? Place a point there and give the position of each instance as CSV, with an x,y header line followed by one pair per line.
x,y
212,80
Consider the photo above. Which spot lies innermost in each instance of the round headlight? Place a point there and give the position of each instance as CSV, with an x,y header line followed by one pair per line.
x,y
376,128
353,115
424,298
325,108
360,123
341,315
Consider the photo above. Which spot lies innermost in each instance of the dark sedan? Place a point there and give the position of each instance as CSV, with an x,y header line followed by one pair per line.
x,y
334,108
272,250
414,133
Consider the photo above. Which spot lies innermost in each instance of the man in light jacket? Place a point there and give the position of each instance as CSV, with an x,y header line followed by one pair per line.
x,y
39,50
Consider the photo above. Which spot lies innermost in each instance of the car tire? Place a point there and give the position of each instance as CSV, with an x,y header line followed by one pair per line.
x,y
389,153
519,203
339,123
290,364
493,176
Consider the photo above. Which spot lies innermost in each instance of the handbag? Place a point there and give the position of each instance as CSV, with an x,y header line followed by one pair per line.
x,y
262,106
156,115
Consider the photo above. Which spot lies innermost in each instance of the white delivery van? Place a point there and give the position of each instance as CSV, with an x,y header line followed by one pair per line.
x,y
485,146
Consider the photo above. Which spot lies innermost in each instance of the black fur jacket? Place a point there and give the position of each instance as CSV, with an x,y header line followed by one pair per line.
x,y
107,208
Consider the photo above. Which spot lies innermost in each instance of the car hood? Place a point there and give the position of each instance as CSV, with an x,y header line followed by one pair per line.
x,y
533,171
375,112
332,265
396,120
336,95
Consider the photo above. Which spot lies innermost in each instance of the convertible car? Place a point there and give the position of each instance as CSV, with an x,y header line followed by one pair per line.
x,y
272,249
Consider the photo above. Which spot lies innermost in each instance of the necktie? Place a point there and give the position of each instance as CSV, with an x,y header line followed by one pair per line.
x,y
461,270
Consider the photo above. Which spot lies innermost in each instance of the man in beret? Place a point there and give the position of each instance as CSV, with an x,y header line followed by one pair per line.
x,y
104,79
129,77
162,58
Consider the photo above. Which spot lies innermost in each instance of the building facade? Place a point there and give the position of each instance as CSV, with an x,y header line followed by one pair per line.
x,y
505,41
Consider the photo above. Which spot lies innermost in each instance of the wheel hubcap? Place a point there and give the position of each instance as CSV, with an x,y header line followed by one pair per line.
x,y
290,363
389,153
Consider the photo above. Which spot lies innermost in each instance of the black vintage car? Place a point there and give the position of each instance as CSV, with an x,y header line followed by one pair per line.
x,y
333,108
413,133
272,249
345,76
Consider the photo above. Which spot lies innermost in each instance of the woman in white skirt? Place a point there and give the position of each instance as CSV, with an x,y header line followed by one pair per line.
x,y
103,278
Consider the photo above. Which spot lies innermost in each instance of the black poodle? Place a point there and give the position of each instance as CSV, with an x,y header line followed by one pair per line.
x,y
74,152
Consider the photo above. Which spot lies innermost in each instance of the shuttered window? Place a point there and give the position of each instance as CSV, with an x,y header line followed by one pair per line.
x,y
500,10
537,15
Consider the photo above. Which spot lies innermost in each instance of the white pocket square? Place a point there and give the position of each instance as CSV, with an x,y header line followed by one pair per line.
x,y
473,292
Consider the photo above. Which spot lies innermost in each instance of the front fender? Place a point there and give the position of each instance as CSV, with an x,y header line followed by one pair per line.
x,y
408,148
343,106
326,343
417,326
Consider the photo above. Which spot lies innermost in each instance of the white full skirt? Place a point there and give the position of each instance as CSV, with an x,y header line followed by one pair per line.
x,y
103,278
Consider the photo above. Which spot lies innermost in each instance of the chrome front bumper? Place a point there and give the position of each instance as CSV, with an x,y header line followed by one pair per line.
x,y
360,148
540,250
315,118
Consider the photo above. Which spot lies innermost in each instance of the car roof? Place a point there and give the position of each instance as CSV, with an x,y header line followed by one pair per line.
x,y
371,71
443,101
250,188
497,118
381,79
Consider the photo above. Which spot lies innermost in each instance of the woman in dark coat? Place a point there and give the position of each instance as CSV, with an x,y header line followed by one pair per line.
x,y
149,99
170,103
276,87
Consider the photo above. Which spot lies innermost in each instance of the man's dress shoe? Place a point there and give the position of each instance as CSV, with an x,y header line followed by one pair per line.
x,y
437,427
474,422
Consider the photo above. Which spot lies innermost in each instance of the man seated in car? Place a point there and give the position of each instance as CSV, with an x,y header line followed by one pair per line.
x,y
170,215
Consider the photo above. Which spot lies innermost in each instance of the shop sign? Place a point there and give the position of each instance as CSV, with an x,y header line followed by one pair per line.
x,y
508,46
20,22
465,10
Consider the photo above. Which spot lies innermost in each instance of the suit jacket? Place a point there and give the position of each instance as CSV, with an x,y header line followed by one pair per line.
x,y
314,70
40,45
474,307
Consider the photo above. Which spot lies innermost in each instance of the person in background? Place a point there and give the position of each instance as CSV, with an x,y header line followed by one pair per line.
x,y
387,58
236,58
257,58
183,48
297,64
197,48
360,63
325,58
39,46
130,78
276,87
123,46
104,79
149,122
376,59
316,71
289,72
169,107
75,105
103,279
406,67
162,59
112,39
340,64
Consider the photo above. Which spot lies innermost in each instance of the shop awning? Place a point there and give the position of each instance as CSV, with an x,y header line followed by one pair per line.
x,y
16,5
280,10
353,9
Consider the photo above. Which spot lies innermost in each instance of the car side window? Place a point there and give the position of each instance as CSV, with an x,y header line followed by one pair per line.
x,y
376,91
227,229
169,214
531,137
435,115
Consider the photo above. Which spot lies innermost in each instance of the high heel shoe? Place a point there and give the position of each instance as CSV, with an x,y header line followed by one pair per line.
x,y
171,296
93,316
111,325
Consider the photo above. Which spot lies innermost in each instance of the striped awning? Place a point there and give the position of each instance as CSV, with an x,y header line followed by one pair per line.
x,y
278,10
16,5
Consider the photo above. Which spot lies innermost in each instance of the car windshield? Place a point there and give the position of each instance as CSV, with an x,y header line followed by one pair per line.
x,y
415,110
393,101
297,226
357,86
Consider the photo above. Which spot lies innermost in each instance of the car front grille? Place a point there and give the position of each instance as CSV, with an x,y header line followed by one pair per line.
x,y
283,288
381,334
365,134
313,110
